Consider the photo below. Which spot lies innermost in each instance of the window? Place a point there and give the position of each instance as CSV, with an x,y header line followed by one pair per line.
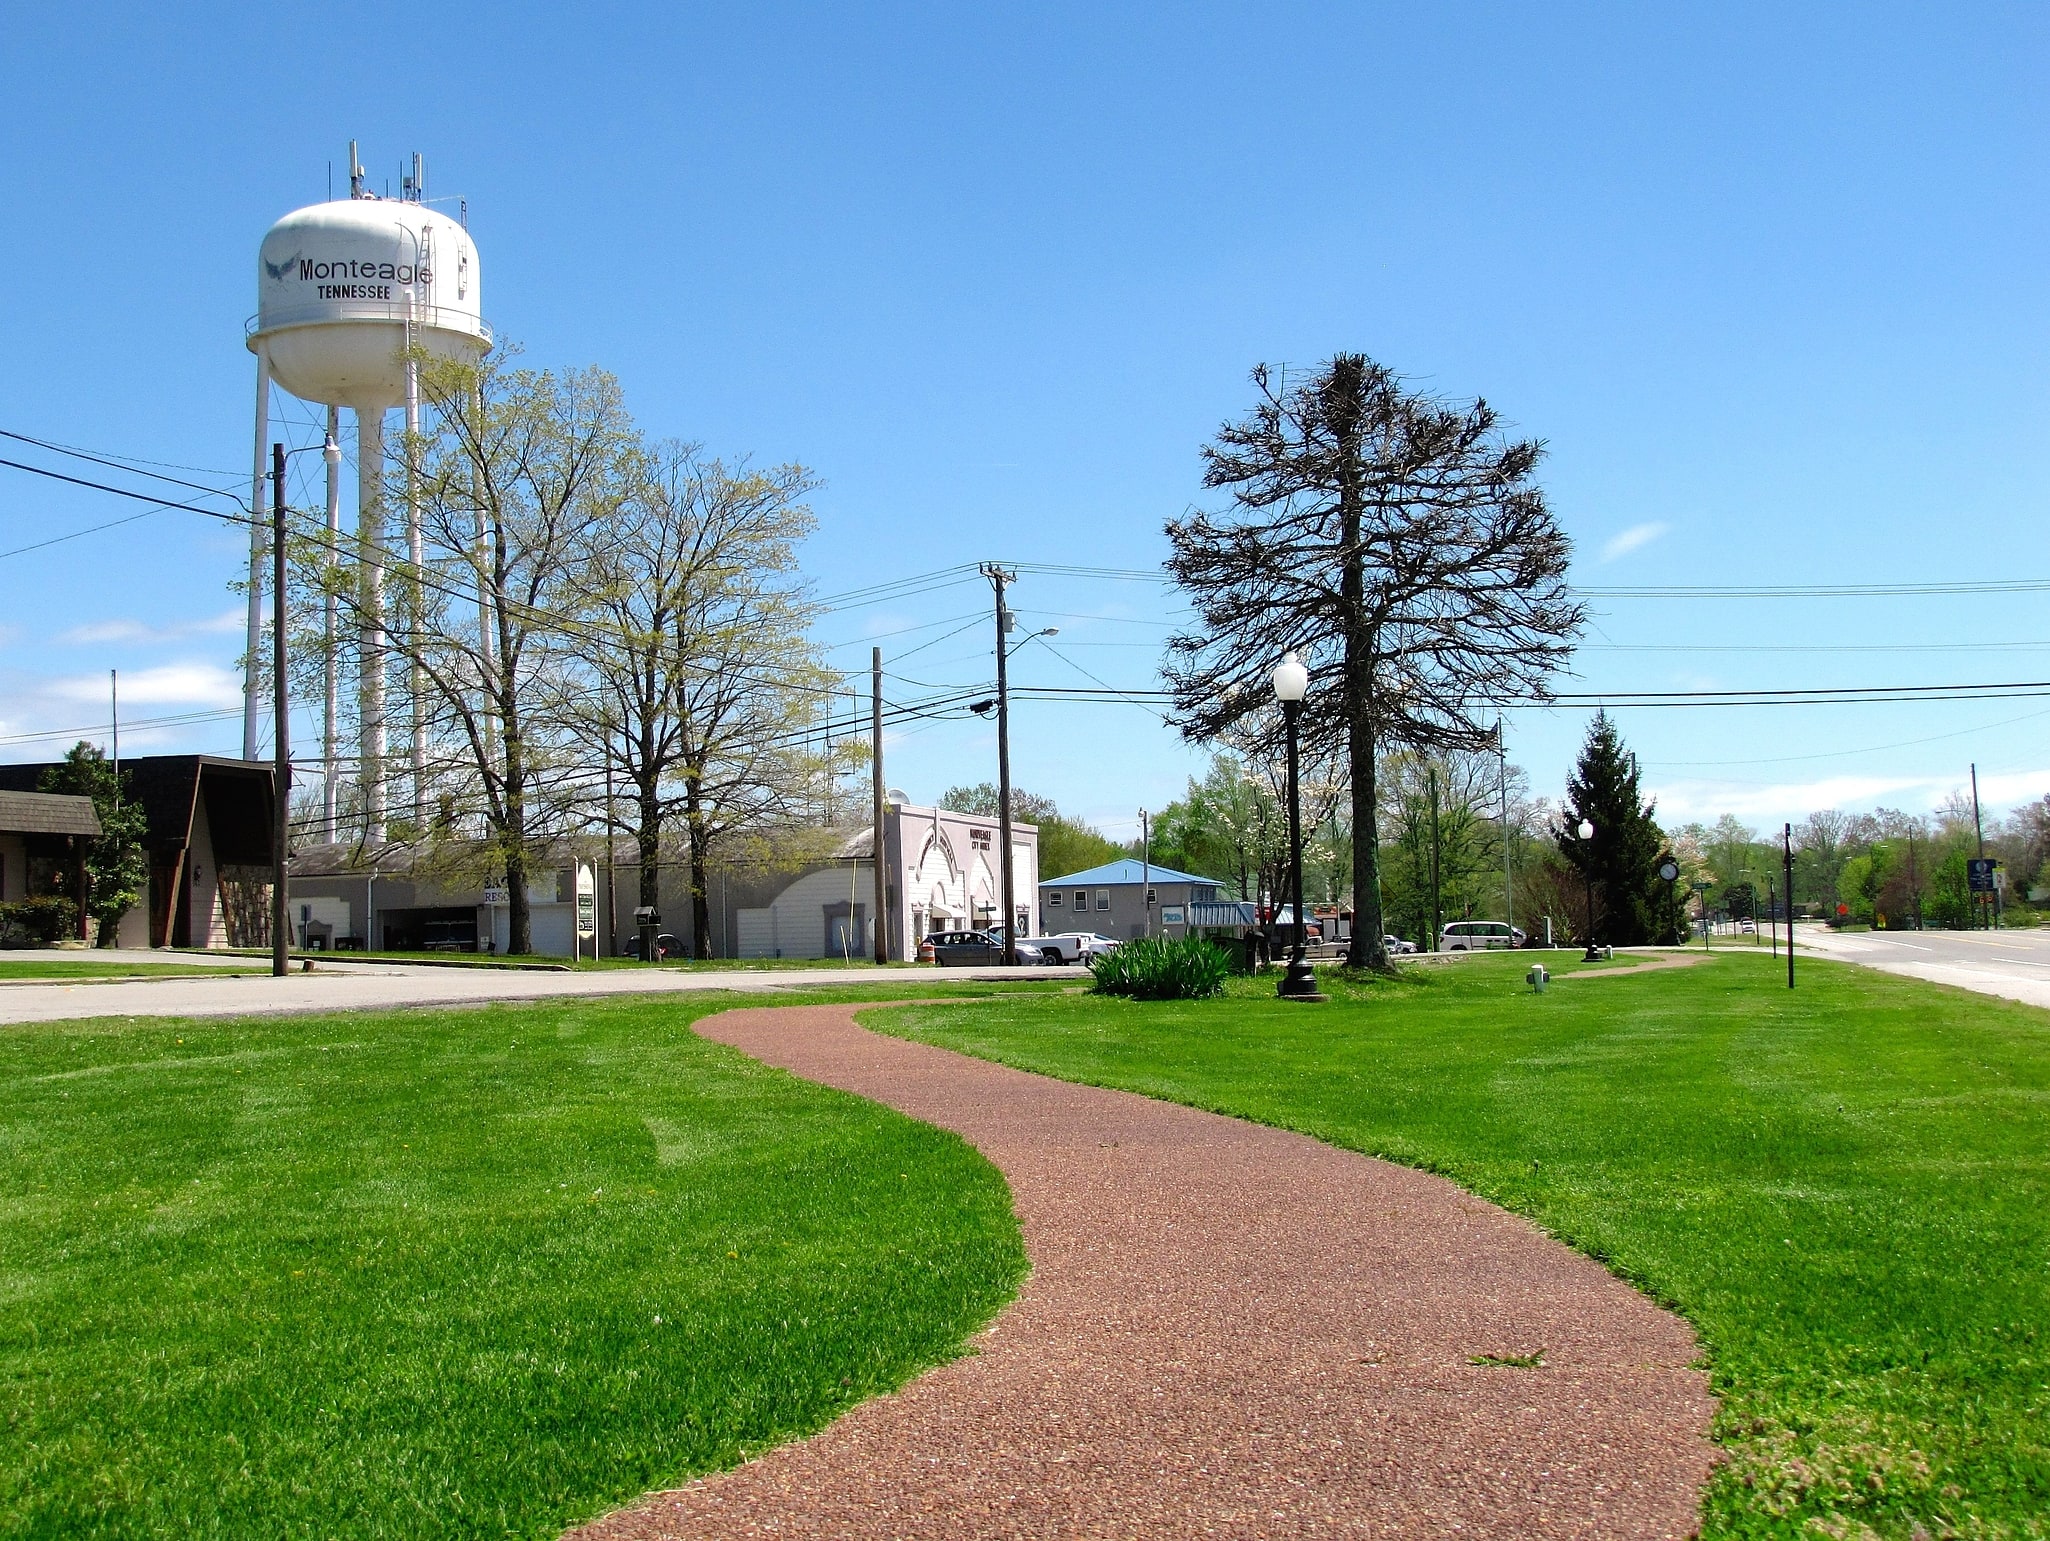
x,y
1081,900
1103,899
1053,899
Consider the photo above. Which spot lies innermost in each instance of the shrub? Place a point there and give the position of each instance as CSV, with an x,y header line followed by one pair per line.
x,y
1154,968
37,922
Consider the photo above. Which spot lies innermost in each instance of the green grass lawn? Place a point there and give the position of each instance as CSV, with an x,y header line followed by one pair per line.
x,y
472,1273
84,966
1845,1188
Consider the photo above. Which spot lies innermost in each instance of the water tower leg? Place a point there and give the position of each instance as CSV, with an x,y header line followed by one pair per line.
x,y
416,676
330,800
252,670
371,557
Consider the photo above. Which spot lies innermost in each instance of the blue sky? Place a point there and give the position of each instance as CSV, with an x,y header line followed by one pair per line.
x,y
1767,279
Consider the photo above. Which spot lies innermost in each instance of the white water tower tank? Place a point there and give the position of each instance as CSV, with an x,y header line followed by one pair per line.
x,y
349,294
338,285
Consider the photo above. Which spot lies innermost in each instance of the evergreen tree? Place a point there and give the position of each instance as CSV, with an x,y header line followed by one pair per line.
x,y
116,868
1622,855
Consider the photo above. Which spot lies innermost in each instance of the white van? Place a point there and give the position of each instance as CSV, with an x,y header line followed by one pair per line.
x,y
1478,936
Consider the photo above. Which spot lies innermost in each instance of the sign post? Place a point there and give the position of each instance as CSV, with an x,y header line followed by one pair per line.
x,y
587,912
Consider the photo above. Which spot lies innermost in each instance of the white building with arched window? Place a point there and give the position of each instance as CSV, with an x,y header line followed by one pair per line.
x,y
941,874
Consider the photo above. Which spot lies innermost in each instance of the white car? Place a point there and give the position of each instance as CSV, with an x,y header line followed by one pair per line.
x,y
1478,935
1072,946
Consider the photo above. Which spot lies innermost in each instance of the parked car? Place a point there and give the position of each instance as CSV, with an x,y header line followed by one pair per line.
x,y
1284,925
1397,946
1072,946
1478,936
960,949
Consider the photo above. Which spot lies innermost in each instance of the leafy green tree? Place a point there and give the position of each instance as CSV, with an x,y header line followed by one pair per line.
x,y
116,866
1229,826
1858,884
1621,857
1445,847
1950,894
1065,845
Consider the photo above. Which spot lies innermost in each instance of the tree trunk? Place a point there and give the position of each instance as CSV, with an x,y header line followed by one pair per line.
x,y
700,903
513,839
648,840
519,917
1368,949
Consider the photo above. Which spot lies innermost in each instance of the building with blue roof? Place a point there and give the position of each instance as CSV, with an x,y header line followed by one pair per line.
x,y
1124,899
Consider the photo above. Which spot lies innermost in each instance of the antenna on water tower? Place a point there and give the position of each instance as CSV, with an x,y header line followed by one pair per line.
x,y
355,172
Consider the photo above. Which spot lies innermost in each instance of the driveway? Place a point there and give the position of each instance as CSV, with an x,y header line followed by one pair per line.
x,y
2013,964
382,986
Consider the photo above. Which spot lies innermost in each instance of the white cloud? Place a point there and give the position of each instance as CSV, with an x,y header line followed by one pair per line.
x,y
178,684
126,630
1635,538
1685,801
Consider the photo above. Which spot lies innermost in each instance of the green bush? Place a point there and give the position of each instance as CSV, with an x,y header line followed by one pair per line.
x,y
1153,968
37,922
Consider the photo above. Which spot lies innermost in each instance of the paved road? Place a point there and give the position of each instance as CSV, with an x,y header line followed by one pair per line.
x,y
2014,964
380,986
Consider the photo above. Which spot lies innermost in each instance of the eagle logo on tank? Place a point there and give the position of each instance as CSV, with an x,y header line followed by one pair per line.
x,y
280,271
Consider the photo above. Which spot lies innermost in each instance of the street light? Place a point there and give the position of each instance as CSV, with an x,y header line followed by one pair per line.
x,y
1291,684
1592,955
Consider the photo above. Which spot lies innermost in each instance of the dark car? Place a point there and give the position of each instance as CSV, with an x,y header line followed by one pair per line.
x,y
968,948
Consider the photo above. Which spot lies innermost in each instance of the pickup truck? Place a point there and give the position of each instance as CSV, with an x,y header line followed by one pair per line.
x,y
1072,946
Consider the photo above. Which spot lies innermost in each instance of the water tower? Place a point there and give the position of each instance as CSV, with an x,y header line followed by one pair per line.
x,y
349,293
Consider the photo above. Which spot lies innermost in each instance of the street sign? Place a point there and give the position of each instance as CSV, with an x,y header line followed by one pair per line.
x,y
1979,874
587,902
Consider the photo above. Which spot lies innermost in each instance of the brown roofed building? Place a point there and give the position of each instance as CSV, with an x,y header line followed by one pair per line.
x,y
42,833
209,844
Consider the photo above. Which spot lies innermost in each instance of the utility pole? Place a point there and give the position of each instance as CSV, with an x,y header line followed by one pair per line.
x,y
281,707
875,758
1145,870
1787,855
114,700
1978,828
1437,907
1508,868
1005,621
611,872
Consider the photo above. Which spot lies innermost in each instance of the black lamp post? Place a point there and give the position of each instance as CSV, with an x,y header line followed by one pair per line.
x,y
1593,954
1291,684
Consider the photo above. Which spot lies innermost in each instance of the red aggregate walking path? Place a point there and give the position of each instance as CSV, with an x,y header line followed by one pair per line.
x,y
1229,1330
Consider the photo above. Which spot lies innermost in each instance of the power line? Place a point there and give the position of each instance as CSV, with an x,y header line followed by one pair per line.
x,y
1824,590
118,464
157,506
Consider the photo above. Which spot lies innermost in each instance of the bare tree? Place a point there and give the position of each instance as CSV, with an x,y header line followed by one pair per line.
x,y
1402,547
517,468
705,700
